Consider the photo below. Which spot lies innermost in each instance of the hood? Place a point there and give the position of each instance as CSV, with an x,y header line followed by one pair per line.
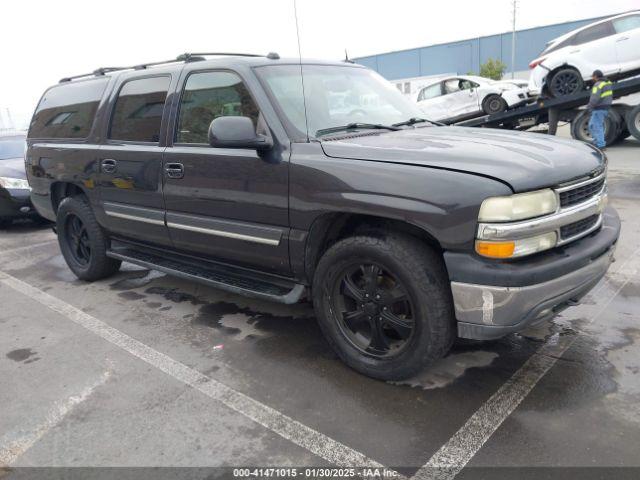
x,y
13,168
525,161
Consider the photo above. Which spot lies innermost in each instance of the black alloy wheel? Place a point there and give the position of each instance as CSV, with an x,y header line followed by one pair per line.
x,y
373,310
77,238
565,82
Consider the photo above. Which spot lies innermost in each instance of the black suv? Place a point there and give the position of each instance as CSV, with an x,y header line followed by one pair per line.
x,y
281,179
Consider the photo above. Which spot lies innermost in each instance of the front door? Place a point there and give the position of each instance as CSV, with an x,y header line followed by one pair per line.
x,y
459,102
130,162
627,40
229,205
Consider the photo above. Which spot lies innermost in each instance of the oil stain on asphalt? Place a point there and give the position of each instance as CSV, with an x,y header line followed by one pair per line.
x,y
23,355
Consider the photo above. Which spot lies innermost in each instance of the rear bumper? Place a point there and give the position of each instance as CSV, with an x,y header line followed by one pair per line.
x,y
15,203
536,79
511,301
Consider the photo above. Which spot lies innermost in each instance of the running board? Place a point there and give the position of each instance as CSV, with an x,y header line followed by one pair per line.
x,y
222,277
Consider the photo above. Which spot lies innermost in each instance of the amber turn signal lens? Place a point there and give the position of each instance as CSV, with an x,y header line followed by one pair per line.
x,y
495,249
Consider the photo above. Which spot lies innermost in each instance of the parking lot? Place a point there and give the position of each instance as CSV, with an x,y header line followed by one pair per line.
x,y
148,370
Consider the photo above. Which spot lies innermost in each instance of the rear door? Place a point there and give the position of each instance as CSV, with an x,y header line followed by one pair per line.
x,y
130,161
594,48
432,102
627,40
230,205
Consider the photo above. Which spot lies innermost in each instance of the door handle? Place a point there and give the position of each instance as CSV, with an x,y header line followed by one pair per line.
x,y
622,39
174,170
109,165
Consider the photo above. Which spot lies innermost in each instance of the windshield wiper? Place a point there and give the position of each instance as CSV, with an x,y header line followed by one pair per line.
x,y
356,126
414,120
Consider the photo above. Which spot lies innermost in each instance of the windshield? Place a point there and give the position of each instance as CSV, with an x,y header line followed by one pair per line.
x,y
13,148
336,96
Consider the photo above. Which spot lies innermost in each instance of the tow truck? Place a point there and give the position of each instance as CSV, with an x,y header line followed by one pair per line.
x,y
623,119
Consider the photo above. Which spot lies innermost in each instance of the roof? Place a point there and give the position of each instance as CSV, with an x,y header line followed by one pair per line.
x,y
584,27
226,60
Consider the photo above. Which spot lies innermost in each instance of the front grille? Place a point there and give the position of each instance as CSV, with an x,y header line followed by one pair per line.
x,y
576,228
580,194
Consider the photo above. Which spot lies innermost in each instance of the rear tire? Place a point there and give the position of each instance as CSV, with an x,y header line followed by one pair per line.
x,y
580,127
82,241
408,307
633,122
565,81
493,104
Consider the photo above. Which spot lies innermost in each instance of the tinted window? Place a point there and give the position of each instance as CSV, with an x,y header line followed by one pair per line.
x,y
552,48
138,112
593,33
626,23
209,95
12,148
67,111
430,92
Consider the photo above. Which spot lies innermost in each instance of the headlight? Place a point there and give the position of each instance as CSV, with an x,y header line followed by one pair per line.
x,y
518,207
516,248
17,183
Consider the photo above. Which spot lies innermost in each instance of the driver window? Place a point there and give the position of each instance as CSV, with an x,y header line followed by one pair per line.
x,y
467,85
209,95
452,86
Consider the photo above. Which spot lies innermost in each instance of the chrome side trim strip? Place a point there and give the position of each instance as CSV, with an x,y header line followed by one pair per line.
x,y
224,233
153,216
134,217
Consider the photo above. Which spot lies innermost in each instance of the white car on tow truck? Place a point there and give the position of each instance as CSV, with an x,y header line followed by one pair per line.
x,y
467,96
566,64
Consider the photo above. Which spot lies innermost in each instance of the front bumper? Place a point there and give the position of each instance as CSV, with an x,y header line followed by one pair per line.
x,y
515,97
15,203
493,299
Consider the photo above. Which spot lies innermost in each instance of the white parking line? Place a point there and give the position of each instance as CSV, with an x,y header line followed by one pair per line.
x,y
317,443
15,448
454,455
27,247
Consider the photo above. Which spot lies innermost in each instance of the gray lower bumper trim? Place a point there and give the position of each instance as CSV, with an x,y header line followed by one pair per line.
x,y
508,309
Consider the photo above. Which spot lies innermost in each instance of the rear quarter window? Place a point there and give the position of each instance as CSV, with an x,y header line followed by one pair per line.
x,y
67,110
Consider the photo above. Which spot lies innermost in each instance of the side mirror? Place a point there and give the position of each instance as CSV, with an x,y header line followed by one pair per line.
x,y
236,132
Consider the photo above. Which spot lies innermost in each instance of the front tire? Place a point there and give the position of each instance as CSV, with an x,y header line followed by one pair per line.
x,y
82,241
493,104
565,81
384,304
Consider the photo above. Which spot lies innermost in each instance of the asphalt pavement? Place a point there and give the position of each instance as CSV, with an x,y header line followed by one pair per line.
x,y
146,370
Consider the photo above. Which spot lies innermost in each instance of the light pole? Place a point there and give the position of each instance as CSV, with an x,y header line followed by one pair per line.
x,y
514,4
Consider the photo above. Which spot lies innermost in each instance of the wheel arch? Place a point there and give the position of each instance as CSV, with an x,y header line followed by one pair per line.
x,y
330,228
63,189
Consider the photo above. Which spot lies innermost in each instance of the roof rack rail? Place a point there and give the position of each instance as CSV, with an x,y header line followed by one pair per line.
x,y
185,57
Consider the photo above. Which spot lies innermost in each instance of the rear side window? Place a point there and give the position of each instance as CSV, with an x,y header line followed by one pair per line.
x,y
209,95
67,110
430,92
138,112
593,33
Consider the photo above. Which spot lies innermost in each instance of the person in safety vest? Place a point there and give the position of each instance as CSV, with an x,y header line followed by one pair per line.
x,y
599,105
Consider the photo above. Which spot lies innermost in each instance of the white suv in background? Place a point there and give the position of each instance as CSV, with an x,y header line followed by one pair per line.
x,y
468,96
566,64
